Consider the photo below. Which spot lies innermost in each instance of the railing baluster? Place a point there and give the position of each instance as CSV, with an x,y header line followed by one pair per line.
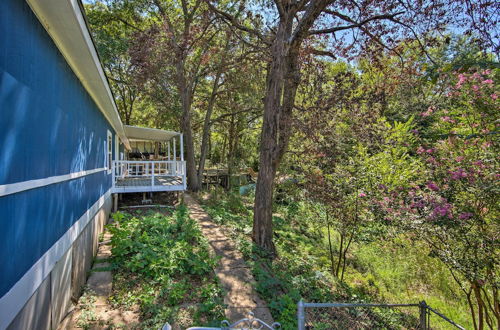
x,y
152,174
113,169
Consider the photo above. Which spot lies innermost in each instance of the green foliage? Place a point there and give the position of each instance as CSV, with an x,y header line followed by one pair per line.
x,y
391,271
162,262
88,316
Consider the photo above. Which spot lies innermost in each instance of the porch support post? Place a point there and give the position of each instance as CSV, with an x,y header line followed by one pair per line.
x,y
168,144
175,151
175,158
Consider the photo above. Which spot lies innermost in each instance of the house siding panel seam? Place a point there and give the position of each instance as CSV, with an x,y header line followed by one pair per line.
x,y
49,126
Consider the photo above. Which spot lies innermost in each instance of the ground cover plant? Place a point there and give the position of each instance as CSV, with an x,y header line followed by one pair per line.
x,y
162,266
390,271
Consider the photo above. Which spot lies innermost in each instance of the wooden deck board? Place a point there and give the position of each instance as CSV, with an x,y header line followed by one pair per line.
x,y
146,182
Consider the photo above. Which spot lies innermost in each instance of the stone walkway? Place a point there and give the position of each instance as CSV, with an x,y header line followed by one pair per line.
x,y
99,286
234,274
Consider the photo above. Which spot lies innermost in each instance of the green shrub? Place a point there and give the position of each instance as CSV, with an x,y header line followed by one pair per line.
x,y
162,262
393,271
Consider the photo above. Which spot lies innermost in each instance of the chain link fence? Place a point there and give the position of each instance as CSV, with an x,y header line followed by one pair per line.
x,y
319,316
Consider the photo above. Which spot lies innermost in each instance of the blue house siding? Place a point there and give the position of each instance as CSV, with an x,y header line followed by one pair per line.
x,y
49,126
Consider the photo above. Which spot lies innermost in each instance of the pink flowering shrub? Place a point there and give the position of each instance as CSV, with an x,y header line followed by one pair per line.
x,y
454,205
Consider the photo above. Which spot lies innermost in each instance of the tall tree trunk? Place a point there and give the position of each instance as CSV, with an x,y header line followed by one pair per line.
x,y
230,151
344,256
186,100
282,83
339,260
480,305
471,307
332,262
206,126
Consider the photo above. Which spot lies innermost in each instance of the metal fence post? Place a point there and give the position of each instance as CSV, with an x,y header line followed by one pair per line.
x,y
301,317
423,315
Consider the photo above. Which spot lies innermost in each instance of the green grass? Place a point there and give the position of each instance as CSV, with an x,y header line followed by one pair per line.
x,y
378,271
163,267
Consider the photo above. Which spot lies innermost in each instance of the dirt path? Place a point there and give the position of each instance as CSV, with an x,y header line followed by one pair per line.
x,y
93,310
234,274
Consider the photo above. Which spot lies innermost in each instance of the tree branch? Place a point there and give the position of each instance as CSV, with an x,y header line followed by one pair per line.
x,y
319,52
354,25
234,22
416,37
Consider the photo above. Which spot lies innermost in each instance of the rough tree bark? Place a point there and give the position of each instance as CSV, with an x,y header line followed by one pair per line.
x,y
281,87
207,125
186,94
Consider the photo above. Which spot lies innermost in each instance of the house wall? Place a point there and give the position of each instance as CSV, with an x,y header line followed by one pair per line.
x,y
54,188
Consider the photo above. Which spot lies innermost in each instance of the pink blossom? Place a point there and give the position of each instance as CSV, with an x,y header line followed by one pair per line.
x,y
429,151
459,174
486,145
448,119
432,186
461,80
465,216
478,163
361,194
420,150
381,186
442,210
488,81
494,96
475,87
420,204
486,72
429,111
432,160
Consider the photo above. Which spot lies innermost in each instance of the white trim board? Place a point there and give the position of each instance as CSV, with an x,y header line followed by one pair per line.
x,y
178,187
12,188
14,300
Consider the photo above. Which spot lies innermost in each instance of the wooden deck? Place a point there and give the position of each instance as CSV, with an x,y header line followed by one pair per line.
x,y
145,184
148,176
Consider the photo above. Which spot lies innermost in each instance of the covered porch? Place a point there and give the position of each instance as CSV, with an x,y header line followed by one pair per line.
x,y
155,162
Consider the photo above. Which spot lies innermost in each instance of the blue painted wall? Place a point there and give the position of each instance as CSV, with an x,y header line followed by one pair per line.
x,y
49,125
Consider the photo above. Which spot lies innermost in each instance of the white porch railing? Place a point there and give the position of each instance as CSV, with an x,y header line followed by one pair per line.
x,y
129,175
